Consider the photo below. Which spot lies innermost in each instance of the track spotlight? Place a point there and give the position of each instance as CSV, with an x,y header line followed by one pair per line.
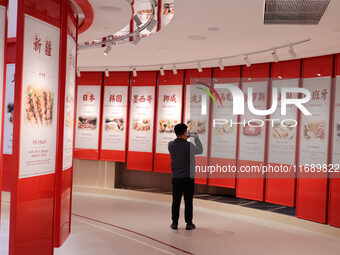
x,y
292,52
137,20
134,71
152,25
107,50
136,40
154,2
161,70
199,67
246,61
78,73
275,56
107,74
220,64
174,69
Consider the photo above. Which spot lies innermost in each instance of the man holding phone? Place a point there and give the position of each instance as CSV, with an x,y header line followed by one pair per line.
x,y
182,155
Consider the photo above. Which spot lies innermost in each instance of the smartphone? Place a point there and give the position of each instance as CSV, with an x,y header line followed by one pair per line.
x,y
192,134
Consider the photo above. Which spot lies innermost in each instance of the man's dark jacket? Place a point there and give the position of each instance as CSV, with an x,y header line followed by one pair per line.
x,y
182,155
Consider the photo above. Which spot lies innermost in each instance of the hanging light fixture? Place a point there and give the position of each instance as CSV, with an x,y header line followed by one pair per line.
x,y
137,20
134,71
161,70
136,40
292,52
275,56
78,73
107,74
220,64
174,69
199,67
246,61
152,25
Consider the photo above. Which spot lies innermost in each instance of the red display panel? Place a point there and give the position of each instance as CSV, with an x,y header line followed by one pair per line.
x,y
31,231
282,145
169,113
334,185
223,151
311,197
252,141
64,167
115,117
141,121
88,93
198,122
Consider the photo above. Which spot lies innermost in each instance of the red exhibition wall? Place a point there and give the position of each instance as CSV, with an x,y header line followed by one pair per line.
x,y
115,117
169,113
334,185
142,121
224,138
250,185
312,191
197,122
283,142
88,115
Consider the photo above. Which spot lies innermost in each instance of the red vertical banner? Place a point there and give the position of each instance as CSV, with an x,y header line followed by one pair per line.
x,y
250,178
64,167
334,186
35,126
169,114
223,151
141,123
282,145
312,184
87,123
115,117
197,115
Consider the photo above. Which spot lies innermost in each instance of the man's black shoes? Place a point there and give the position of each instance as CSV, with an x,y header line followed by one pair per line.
x,y
190,226
174,226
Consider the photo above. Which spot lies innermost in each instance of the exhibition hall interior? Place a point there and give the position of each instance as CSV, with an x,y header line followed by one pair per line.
x,y
169,127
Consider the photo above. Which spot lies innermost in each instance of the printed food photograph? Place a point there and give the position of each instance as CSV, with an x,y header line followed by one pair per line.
x,y
283,133
39,106
87,122
69,111
167,125
253,129
10,111
337,132
197,126
315,130
223,129
114,124
141,124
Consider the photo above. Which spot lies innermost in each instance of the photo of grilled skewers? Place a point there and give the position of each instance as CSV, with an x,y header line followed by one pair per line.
x,y
39,106
87,122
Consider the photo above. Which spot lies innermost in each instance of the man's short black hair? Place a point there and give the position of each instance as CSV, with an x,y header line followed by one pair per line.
x,y
180,129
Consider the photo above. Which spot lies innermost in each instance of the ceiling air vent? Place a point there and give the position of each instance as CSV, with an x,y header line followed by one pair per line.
x,y
294,12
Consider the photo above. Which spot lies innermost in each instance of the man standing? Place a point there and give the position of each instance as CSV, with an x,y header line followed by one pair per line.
x,y
182,155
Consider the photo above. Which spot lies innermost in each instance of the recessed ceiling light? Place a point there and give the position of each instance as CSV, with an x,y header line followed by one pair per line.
x,y
196,37
213,29
110,8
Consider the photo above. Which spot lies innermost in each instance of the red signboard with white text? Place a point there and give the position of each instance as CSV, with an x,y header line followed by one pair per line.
x,y
253,132
115,121
223,151
282,145
169,114
141,122
334,185
312,187
87,122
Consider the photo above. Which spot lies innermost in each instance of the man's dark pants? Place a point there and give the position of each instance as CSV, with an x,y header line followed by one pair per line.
x,y
182,186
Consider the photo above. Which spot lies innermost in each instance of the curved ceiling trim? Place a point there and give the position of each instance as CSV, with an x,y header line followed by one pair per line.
x,y
87,10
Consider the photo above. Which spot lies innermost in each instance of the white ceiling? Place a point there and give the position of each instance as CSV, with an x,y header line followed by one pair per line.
x,y
241,30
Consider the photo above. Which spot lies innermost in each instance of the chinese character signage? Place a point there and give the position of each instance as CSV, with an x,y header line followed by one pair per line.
x,y
39,111
169,115
9,109
2,55
282,138
314,128
197,120
223,134
87,122
252,127
336,138
69,102
141,118
114,118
